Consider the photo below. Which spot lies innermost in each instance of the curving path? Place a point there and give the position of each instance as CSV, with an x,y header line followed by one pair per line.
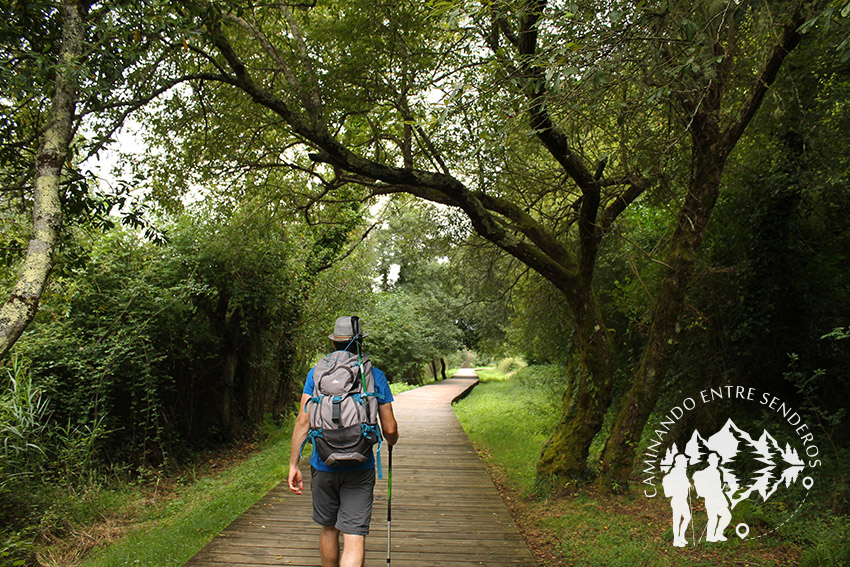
x,y
446,510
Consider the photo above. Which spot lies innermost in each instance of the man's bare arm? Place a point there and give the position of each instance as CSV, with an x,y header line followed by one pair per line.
x,y
299,434
389,426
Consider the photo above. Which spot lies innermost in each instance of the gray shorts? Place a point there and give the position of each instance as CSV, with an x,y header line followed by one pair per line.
x,y
343,500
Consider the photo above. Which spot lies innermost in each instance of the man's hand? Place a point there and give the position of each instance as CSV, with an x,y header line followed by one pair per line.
x,y
296,480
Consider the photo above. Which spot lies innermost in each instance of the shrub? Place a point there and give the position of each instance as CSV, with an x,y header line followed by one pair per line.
x,y
23,425
546,380
510,366
830,543
156,350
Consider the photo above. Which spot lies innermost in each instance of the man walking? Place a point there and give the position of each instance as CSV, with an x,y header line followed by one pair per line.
x,y
342,494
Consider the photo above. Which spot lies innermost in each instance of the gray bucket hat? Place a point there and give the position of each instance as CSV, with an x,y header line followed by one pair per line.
x,y
345,328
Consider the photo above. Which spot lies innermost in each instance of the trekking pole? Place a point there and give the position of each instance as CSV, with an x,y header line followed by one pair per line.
x,y
389,502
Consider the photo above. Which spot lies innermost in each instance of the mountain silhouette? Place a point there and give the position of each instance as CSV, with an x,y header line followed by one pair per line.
x,y
697,448
749,465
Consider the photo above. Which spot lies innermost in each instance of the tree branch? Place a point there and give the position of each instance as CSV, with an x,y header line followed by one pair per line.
x,y
313,103
134,105
528,226
555,140
349,252
791,37
620,203
270,50
437,187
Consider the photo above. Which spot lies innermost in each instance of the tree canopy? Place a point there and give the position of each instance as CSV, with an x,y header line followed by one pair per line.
x,y
690,79
580,153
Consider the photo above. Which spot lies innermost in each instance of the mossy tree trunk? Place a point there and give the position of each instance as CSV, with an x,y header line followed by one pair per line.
x,y
586,398
24,298
711,145
647,379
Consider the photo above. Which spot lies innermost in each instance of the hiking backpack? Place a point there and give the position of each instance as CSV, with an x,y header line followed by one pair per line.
x,y
344,410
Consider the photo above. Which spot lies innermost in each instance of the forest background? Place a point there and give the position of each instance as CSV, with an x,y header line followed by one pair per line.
x,y
650,196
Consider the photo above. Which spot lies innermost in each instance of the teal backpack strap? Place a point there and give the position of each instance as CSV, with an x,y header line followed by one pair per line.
x,y
313,433
377,395
311,438
366,430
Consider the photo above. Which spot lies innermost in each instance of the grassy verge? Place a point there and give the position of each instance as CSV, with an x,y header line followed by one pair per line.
x,y
169,532
503,419
508,420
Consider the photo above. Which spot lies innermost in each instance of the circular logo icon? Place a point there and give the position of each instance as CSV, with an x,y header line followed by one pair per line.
x,y
722,482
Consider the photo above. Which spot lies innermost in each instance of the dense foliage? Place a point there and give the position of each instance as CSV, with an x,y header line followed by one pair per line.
x,y
193,341
646,197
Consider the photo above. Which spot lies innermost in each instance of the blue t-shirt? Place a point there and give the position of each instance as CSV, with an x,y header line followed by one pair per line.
x,y
382,387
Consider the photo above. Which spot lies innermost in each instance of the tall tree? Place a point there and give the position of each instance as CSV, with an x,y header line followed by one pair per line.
x,y
72,72
23,300
735,53
306,108
616,98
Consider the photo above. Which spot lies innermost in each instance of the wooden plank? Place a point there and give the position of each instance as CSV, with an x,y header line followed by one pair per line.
x,y
446,510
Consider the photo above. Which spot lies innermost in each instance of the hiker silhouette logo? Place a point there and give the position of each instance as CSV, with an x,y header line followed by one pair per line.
x,y
725,483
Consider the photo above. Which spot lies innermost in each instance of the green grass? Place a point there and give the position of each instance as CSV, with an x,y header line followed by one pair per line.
x,y
509,420
592,523
494,418
173,532
490,374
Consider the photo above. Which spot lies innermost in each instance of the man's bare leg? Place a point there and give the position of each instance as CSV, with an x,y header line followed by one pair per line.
x,y
329,546
353,551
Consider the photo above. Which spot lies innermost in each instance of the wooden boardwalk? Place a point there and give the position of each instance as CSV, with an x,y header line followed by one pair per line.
x,y
446,510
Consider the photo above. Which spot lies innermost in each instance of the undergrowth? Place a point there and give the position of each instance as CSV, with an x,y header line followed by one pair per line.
x,y
172,531
145,517
512,417
509,420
